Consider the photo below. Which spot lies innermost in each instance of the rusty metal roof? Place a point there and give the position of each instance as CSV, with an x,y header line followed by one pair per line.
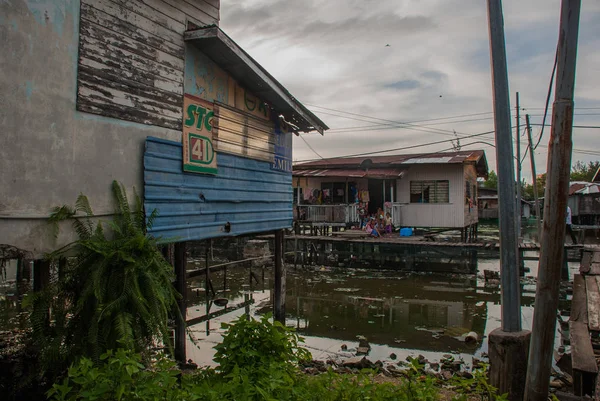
x,y
352,173
476,157
213,42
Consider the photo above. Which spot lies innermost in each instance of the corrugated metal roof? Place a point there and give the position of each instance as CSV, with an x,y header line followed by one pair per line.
x,y
245,193
351,173
213,42
476,157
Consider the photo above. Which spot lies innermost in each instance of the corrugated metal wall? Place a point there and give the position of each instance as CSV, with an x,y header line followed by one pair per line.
x,y
433,214
245,193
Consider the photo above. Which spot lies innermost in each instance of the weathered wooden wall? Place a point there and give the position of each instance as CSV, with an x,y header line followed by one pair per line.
x,y
470,210
132,57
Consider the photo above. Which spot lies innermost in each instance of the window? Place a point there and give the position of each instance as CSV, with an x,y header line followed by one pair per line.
x,y
333,192
430,191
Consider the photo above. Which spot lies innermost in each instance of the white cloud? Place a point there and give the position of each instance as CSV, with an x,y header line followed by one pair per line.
x,y
333,53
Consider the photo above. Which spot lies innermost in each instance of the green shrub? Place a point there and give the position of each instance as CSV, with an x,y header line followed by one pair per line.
x,y
258,344
116,291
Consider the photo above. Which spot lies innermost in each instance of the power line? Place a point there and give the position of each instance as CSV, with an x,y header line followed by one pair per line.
x,y
548,97
311,148
396,149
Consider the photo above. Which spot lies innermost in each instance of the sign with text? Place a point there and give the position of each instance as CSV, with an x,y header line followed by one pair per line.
x,y
198,151
282,160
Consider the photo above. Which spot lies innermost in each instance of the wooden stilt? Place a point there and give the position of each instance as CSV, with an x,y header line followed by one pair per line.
x,y
280,276
180,286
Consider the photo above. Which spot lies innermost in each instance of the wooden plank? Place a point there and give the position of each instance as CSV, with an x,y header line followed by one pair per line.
x,y
90,47
594,269
121,41
123,113
201,11
144,8
109,78
593,303
127,74
596,257
142,23
586,261
584,362
129,30
579,302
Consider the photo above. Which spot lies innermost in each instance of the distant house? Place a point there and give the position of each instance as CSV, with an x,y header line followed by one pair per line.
x,y
584,201
419,190
487,204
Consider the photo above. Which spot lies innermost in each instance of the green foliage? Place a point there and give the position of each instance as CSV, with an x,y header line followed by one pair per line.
x,y
121,376
258,344
584,172
492,181
478,386
115,292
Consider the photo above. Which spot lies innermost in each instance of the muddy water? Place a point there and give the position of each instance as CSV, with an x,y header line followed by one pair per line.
x,y
399,313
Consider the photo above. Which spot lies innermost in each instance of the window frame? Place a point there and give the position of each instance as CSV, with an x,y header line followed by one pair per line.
x,y
434,189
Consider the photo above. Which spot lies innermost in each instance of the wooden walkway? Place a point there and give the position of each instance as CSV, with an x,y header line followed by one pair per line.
x,y
584,325
357,236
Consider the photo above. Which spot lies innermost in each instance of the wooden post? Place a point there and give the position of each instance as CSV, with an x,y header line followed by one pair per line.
x,y
279,298
180,286
518,149
555,206
507,345
564,274
41,274
538,216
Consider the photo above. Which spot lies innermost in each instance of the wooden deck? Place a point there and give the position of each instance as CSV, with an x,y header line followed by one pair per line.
x,y
584,324
358,236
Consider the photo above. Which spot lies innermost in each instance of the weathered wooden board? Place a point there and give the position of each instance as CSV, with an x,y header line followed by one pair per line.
x,y
152,10
579,302
130,31
202,11
586,261
584,362
593,303
142,23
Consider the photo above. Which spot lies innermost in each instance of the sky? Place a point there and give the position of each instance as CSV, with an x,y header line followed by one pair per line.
x,y
364,67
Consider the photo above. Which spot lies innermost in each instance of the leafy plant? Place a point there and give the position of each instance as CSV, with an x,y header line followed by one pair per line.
x,y
257,344
115,292
478,385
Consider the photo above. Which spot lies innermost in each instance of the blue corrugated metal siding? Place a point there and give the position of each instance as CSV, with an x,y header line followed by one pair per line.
x,y
245,193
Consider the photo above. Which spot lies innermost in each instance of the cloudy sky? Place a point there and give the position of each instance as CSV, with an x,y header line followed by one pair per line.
x,y
333,55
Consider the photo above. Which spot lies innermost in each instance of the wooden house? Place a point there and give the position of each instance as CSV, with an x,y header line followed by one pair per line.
x,y
418,190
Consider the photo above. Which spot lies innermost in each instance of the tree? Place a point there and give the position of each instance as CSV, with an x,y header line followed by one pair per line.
x,y
584,172
492,181
541,187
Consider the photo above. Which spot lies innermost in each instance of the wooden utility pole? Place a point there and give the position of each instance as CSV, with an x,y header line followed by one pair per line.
x,y
518,138
555,207
538,216
507,345
280,276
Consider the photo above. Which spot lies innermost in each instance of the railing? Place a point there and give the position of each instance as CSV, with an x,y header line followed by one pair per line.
x,y
396,211
326,213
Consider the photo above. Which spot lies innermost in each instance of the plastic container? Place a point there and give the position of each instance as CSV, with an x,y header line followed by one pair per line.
x,y
406,232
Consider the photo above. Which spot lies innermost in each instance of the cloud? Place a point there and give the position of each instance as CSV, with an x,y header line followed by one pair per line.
x,y
334,54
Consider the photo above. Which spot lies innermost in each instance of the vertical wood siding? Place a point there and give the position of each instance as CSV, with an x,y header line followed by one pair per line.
x,y
433,214
131,57
245,193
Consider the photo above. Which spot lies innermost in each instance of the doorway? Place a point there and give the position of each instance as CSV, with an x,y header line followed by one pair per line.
x,y
375,195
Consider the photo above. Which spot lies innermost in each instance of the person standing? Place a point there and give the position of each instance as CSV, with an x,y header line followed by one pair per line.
x,y
569,228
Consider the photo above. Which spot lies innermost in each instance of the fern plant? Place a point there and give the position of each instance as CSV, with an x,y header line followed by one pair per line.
x,y
116,290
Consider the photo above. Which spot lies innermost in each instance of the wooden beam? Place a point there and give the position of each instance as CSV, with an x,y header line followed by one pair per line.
x,y
579,302
584,362
181,287
593,303
280,276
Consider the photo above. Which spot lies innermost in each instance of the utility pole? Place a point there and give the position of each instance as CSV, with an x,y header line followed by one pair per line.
x,y
555,206
507,345
538,216
518,137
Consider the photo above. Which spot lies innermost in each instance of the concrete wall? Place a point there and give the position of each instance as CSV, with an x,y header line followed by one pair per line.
x,y
50,151
433,214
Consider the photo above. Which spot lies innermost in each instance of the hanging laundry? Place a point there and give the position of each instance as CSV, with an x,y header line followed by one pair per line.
x,y
365,196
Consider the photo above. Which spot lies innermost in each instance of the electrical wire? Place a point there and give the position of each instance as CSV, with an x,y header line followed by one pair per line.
x,y
548,98
311,148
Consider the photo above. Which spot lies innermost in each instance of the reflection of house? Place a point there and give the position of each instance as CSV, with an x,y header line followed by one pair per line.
x,y
487,204
419,190
584,201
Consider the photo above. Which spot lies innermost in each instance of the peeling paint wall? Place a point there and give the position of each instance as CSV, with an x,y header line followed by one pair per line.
x,y
50,151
